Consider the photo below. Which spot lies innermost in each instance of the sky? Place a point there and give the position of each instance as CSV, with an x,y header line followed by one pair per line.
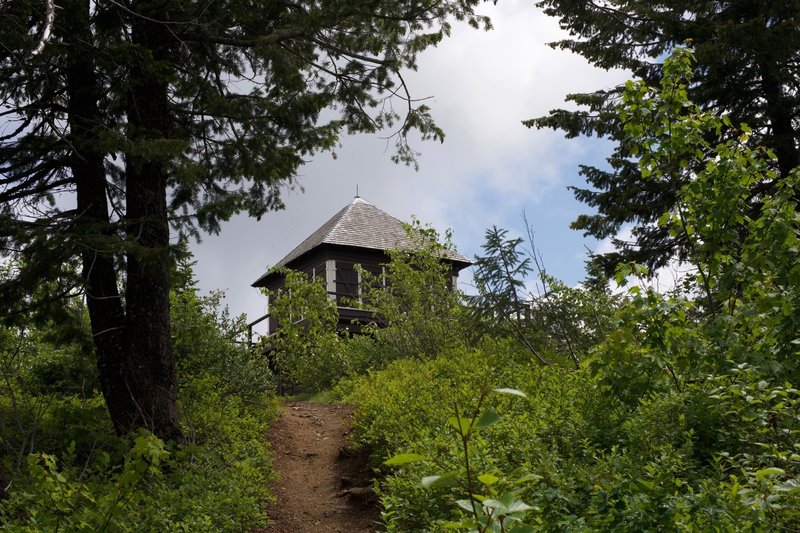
x,y
490,168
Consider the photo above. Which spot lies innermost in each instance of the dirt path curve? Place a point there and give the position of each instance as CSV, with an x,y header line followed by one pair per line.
x,y
321,487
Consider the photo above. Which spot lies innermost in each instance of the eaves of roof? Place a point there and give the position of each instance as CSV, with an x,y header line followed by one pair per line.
x,y
360,224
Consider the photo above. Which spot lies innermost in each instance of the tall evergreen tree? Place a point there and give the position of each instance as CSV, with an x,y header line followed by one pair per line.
x,y
747,66
142,117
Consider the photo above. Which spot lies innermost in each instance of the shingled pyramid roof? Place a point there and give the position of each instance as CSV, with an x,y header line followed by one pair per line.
x,y
362,225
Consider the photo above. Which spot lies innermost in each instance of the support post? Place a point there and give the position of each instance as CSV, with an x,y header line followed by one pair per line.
x,y
330,278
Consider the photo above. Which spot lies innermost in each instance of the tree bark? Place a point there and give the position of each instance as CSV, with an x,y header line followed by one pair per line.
x,y
779,114
96,236
132,341
151,374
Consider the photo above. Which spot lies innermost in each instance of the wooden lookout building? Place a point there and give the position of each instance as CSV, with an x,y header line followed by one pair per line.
x,y
359,234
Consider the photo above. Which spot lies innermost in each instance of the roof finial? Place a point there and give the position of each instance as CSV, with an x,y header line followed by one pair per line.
x,y
357,196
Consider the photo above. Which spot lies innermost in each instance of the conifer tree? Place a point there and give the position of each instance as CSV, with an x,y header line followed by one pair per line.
x,y
747,66
139,119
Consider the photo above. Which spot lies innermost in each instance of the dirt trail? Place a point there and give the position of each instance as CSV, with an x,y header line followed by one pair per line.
x,y
322,487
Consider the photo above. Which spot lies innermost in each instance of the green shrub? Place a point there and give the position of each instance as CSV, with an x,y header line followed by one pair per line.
x,y
218,482
69,371
66,469
207,341
196,488
415,299
308,350
720,454
405,407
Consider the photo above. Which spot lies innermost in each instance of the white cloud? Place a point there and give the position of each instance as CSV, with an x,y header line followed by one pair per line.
x,y
483,85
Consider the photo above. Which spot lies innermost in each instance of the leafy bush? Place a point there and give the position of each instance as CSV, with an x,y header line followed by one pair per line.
x,y
206,341
152,488
559,324
307,351
67,470
405,408
717,454
415,299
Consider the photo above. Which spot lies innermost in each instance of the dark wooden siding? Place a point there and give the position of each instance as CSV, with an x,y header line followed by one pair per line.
x,y
346,288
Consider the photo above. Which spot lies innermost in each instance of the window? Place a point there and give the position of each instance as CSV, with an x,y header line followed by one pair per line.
x,y
346,283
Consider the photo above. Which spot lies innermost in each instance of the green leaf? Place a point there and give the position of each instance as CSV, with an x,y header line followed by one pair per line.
x,y
487,419
529,478
436,481
493,504
404,458
522,529
460,423
466,523
465,504
772,471
518,507
514,392
488,479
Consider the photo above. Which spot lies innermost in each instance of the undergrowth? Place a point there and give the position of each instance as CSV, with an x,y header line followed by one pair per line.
x,y
63,469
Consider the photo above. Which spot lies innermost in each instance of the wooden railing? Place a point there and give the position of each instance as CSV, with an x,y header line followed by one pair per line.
x,y
266,316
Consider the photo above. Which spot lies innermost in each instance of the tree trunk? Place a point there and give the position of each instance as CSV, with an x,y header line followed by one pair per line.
x,y
132,343
150,374
779,115
96,236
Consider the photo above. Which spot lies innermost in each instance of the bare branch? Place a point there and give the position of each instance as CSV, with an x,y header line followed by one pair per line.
x,y
49,17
